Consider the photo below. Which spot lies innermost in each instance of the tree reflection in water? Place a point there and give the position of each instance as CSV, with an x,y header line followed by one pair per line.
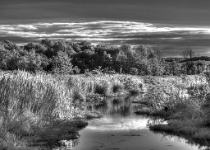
x,y
120,123
115,106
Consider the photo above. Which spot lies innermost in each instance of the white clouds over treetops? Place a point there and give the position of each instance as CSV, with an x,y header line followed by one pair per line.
x,y
171,39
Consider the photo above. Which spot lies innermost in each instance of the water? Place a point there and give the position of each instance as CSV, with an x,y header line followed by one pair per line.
x,y
121,129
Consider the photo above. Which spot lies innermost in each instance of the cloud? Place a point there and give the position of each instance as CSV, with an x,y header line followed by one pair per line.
x,y
171,39
18,27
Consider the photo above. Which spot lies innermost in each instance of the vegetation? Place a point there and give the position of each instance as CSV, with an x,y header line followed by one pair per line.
x,y
33,105
48,86
183,102
28,102
59,57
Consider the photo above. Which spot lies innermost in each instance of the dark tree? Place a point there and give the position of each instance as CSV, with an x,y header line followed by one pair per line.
x,y
188,53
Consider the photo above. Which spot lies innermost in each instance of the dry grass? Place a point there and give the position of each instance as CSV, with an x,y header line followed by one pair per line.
x,y
104,84
41,95
28,101
171,90
184,102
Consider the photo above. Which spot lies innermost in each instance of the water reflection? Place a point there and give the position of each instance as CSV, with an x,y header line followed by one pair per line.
x,y
120,128
117,124
121,106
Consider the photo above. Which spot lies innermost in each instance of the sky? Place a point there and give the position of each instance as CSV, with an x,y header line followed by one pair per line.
x,y
167,25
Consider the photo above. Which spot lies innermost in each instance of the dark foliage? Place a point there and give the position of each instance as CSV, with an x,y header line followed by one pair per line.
x,y
72,58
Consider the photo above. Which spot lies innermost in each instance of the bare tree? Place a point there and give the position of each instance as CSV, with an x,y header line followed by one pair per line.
x,y
188,53
158,54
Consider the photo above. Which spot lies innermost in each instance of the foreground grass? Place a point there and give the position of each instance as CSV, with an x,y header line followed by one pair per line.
x,y
45,108
184,102
27,103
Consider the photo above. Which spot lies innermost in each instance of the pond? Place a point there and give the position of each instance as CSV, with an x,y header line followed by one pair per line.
x,y
121,129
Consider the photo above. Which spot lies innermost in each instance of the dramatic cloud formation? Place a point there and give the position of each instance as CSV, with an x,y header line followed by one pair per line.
x,y
170,39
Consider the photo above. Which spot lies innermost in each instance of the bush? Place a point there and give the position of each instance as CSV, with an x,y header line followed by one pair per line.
x,y
134,71
77,96
101,88
117,86
134,91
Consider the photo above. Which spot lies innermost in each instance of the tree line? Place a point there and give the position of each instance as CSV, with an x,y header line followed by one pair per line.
x,y
63,57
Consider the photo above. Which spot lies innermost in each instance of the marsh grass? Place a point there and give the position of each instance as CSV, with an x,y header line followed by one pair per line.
x,y
41,95
39,104
11,142
183,102
192,130
95,89
101,88
134,92
117,87
29,101
51,134
104,84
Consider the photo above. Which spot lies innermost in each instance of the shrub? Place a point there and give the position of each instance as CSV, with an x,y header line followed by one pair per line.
x,y
134,71
134,91
95,99
77,96
202,134
101,88
133,83
117,86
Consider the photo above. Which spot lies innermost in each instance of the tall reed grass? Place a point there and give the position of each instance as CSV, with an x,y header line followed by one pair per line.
x,y
105,84
28,100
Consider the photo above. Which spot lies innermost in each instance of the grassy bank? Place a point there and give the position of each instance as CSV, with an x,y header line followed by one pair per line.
x,y
27,103
43,108
183,102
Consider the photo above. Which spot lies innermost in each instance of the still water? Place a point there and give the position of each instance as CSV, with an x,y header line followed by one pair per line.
x,y
121,129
